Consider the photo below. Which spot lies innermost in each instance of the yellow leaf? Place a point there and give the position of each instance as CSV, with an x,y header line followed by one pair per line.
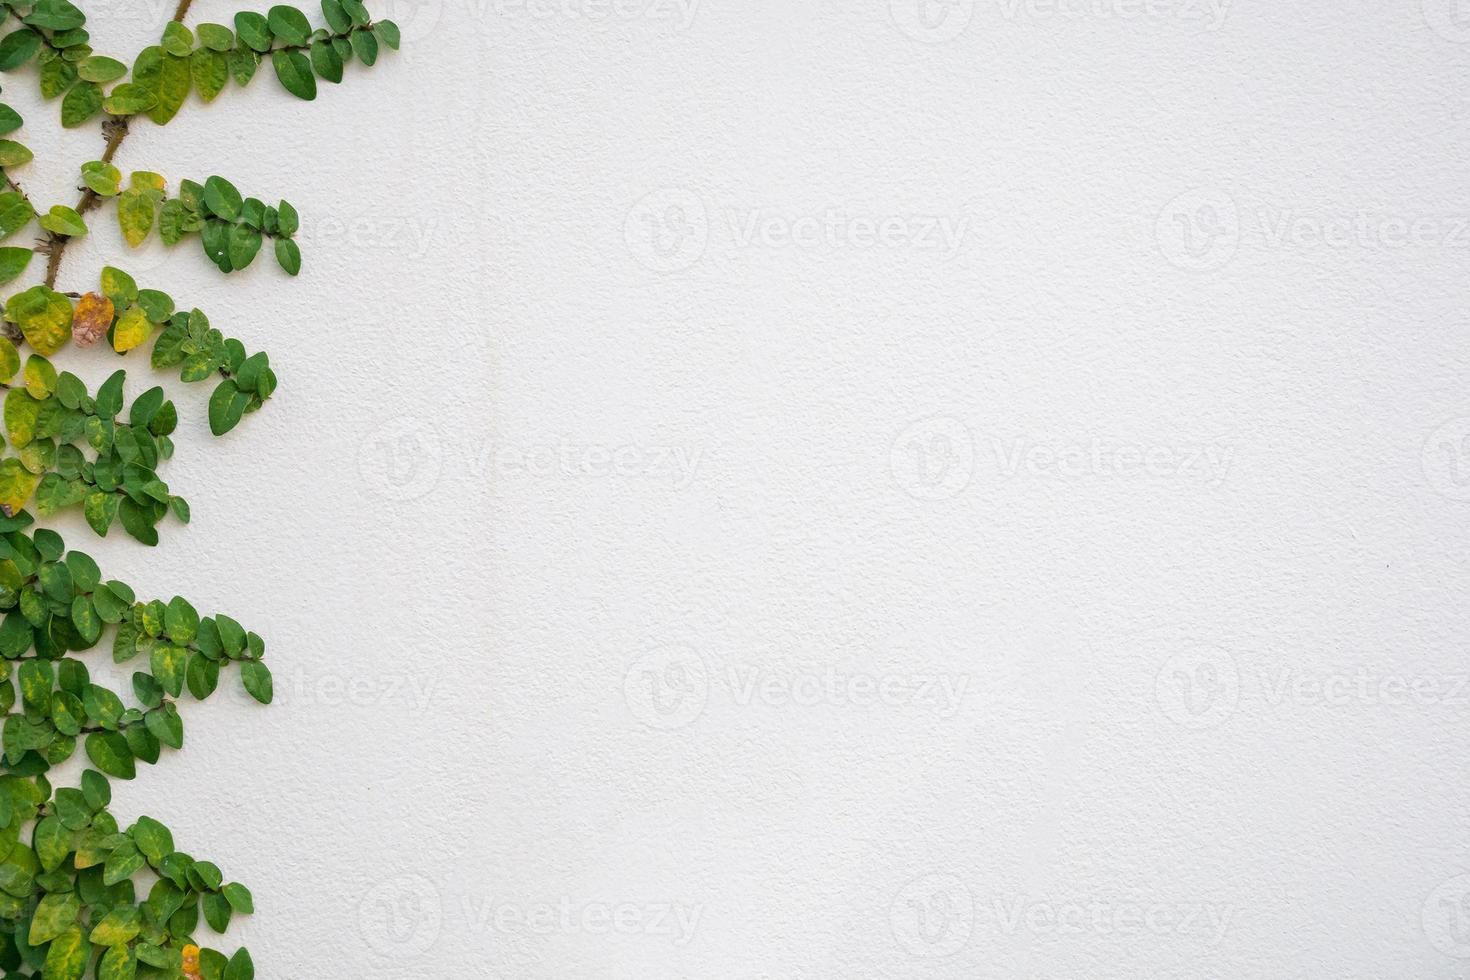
x,y
44,316
132,329
92,318
16,486
9,359
135,215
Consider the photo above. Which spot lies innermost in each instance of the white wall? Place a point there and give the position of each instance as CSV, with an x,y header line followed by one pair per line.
x,y
1102,432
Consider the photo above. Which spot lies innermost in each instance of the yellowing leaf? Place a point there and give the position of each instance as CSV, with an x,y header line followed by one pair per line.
x,y
9,359
91,319
44,316
16,486
132,329
135,215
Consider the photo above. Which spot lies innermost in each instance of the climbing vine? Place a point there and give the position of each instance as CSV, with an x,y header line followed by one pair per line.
x,y
71,875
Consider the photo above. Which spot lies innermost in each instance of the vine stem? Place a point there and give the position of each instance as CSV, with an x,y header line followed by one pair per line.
x,y
116,130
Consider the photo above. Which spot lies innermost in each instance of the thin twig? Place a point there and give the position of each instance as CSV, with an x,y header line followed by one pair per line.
x,y
116,130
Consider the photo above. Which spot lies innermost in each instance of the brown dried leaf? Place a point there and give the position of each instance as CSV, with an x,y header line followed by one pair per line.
x,y
92,318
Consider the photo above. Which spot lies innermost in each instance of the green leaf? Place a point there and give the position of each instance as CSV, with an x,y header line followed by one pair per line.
x,y
294,72
387,32
239,898
201,676
52,842
109,752
289,24
124,860
10,120
221,198
243,63
215,37
119,287
244,243
15,213
98,68
17,48
62,220
226,405
55,15
210,70
365,46
174,80
129,98
217,911
96,789
326,62
57,75
167,663
100,509
240,968
13,154
54,916
252,28
153,839
257,679
288,255
13,262
82,102
101,177
177,39
337,18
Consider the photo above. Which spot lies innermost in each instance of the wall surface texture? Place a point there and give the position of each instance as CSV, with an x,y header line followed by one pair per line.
x,y
789,489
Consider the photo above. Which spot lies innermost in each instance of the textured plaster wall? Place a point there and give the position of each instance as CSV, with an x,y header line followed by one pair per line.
x,y
788,490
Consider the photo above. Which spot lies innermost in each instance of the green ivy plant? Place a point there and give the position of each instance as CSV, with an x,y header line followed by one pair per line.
x,y
70,904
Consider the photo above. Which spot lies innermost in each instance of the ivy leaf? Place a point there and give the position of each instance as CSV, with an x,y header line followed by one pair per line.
x,y
153,839
98,68
102,178
289,24
15,213
91,319
135,215
83,101
226,405
257,679
109,752
288,255
240,967
132,329
44,316
13,261
17,48
387,32
62,220
118,963
16,486
129,98
117,927
365,46
221,198
67,957
294,72
55,15
52,842
244,244
210,71
177,39
54,916
327,63
174,79
13,154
